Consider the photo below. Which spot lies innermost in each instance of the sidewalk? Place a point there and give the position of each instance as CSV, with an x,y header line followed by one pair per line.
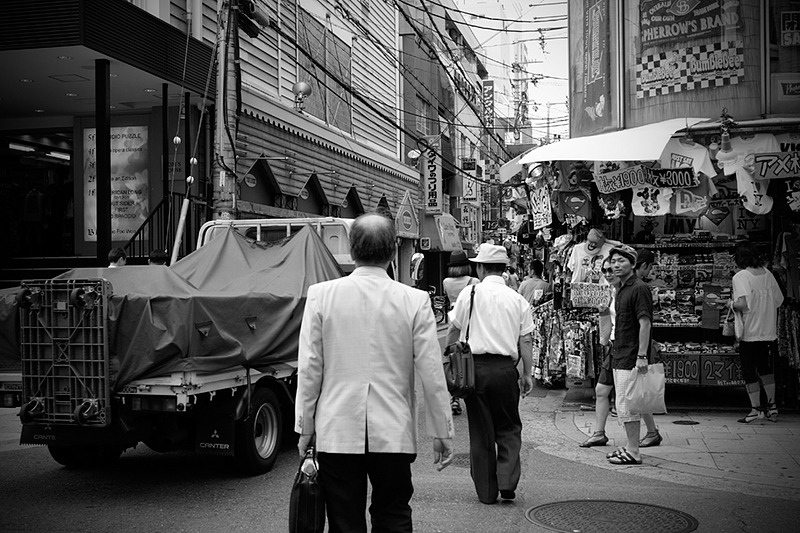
x,y
700,448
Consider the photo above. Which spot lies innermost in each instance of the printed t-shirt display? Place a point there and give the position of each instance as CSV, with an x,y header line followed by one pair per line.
x,y
585,264
679,154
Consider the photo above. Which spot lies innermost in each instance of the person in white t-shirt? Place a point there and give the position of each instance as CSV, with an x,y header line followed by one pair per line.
x,y
756,299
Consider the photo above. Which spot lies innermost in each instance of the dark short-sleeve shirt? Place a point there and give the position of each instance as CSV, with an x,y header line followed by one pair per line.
x,y
634,301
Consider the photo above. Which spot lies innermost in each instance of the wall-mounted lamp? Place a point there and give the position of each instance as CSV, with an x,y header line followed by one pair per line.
x,y
301,90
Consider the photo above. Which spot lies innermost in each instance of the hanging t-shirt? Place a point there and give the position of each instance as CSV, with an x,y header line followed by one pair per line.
x,y
651,201
693,202
678,154
788,142
754,192
586,265
575,202
763,296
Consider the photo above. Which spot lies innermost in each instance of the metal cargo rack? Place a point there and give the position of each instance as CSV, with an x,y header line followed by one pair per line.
x,y
64,348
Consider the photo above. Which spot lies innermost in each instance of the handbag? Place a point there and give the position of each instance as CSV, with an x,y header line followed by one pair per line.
x,y
729,326
645,392
459,365
307,500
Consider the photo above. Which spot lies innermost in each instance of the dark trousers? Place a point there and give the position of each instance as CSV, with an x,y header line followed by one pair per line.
x,y
344,478
756,359
495,429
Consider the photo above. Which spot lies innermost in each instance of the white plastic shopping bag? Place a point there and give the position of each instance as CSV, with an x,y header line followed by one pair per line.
x,y
645,394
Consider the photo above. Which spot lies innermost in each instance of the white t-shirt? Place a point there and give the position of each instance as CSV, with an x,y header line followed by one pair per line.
x,y
679,155
585,266
763,297
753,191
453,287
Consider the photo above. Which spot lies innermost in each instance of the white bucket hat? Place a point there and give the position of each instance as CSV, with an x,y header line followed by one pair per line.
x,y
491,253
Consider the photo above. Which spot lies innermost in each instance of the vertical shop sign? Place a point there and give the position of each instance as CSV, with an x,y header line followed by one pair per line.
x,y
596,64
130,198
488,103
670,22
432,176
469,223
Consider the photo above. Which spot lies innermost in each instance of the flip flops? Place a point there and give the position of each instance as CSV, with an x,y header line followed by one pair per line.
x,y
597,439
624,458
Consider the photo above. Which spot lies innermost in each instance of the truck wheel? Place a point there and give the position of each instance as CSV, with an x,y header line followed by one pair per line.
x,y
258,437
84,456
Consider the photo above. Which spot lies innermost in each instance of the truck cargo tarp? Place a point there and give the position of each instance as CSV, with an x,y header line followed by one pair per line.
x,y
232,302
9,350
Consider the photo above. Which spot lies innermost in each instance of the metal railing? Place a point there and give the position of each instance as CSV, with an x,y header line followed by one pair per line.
x,y
158,231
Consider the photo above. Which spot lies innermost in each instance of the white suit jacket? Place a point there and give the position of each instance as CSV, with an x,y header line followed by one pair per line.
x,y
361,341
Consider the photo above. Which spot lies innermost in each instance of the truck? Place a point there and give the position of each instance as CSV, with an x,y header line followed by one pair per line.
x,y
201,355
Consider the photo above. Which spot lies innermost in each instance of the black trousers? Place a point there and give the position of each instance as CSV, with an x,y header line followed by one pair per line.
x,y
495,429
344,478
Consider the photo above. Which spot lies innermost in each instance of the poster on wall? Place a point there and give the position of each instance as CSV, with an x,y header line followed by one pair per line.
x,y
596,65
686,69
670,22
130,194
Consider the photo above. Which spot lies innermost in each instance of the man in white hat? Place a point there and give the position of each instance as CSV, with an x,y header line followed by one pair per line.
x,y
500,328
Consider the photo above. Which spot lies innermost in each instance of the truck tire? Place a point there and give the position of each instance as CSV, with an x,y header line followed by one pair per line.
x,y
84,456
258,437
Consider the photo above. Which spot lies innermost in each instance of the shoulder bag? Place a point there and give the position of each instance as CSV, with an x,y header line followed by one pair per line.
x,y
459,366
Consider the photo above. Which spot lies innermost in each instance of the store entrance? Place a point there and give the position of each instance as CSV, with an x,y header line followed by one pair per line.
x,y
36,195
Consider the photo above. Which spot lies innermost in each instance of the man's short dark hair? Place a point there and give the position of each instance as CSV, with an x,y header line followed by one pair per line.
x,y
116,254
537,267
373,239
158,257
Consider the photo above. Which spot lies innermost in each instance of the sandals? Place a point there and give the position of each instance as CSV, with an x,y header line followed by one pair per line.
x,y
598,438
616,452
650,440
772,412
455,406
624,458
754,414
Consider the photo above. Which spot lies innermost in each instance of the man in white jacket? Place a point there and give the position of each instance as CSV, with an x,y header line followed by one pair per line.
x,y
362,340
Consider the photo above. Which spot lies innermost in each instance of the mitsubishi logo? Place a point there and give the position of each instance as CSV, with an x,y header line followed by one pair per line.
x,y
215,434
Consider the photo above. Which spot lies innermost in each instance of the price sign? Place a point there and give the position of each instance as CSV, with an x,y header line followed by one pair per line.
x,y
681,369
722,371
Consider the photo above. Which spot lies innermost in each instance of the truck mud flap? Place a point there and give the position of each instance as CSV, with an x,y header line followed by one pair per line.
x,y
63,435
215,435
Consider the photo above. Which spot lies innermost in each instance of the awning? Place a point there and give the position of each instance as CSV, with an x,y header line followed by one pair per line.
x,y
511,169
644,143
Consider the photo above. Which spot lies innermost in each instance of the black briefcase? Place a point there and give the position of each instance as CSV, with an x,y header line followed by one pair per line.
x,y
307,501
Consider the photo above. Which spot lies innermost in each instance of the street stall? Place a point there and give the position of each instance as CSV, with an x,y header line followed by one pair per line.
x,y
689,190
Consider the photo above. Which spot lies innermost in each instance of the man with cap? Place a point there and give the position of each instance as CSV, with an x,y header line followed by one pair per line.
x,y
634,309
500,328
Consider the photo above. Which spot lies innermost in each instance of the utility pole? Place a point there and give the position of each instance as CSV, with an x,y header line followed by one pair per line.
x,y
224,165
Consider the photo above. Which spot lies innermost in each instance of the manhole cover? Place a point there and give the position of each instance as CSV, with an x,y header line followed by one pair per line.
x,y
461,460
606,516
686,422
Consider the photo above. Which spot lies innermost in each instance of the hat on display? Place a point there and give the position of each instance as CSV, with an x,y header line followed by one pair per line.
x,y
458,258
491,253
596,238
645,256
625,251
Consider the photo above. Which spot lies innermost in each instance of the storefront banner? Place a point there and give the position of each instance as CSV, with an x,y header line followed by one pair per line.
x,y
130,193
470,192
686,69
777,165
621,179
590,295
432,176
448,232
541,208
678,21
676,178
469,223
596,66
